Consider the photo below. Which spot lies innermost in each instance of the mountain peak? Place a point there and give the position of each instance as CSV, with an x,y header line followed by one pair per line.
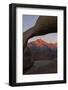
x,y
41,43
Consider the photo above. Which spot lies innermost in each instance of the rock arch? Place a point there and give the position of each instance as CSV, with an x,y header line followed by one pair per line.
x,y
43,26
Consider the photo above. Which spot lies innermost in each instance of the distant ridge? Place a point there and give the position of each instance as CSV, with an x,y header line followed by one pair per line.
x,y
41,43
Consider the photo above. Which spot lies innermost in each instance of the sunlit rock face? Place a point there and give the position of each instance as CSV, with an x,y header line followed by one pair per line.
x,y
27,58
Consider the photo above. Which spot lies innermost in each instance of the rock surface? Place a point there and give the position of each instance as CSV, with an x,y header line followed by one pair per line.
x,y
27,58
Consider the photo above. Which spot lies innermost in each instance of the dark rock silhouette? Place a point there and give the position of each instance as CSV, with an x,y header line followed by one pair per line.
x,y
27,59
43,67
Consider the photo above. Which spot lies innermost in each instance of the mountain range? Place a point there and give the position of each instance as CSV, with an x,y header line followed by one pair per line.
x,y
41,49
41,43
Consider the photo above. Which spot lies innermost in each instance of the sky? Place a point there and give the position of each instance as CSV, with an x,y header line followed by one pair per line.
x,y
29,21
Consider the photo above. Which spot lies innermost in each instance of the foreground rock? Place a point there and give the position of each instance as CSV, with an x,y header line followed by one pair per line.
x,y
42,67
27,58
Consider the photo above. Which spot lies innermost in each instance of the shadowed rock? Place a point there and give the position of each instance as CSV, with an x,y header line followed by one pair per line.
x,y
42,67
28,61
